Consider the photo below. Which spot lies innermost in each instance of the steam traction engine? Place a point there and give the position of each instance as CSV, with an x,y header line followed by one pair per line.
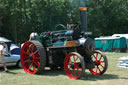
x,y
70,50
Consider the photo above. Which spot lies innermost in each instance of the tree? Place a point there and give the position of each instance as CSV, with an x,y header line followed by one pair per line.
x,y
18,18
25,16
107,17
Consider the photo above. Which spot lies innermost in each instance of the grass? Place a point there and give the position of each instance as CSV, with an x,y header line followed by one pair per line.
x,y
113,76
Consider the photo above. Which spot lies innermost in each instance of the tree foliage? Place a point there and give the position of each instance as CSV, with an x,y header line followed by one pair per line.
x,y
21,17
107,17
18,18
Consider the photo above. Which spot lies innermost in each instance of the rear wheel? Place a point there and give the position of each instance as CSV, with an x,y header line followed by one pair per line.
x,y
74,65
33,57
101,63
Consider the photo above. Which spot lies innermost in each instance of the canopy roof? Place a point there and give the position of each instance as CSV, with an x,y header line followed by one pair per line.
x,y
2,39
107,37
121,35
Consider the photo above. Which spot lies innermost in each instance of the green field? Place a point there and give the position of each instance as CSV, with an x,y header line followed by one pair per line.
x,y
113,76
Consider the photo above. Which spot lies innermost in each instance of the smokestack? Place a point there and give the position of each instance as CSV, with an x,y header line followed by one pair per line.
x,y
83,15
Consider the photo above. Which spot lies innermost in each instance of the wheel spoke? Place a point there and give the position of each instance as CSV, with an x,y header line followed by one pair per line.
x,y
35,52
73,71
26,61
100,57
29,68
30,50
37,58
27,47
99,69
34,68
74,59
96,70
78,70
96,56
70,63
102,66
25,53
101,61
36,63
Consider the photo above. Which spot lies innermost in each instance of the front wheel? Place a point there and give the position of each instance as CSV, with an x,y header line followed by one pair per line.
x,y
101,63
74,65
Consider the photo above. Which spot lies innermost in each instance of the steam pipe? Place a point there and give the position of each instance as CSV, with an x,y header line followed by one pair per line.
x,y
83,15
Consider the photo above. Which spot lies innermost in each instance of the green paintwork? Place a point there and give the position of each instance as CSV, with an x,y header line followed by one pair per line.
x,y
44,42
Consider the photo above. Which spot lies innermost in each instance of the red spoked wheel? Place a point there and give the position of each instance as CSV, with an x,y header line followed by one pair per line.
x,y
74,65
33,57
101,63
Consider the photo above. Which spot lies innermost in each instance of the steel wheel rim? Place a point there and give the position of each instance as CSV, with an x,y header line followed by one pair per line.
x,y
30,59
100,64
73,66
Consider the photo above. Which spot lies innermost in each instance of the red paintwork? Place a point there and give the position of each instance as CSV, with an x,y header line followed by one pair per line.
x,y
75,71
30,59
99,64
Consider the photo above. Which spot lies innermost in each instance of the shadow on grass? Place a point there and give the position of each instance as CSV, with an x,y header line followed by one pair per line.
x,y
86,76
11,72
52,72
10,68
100,77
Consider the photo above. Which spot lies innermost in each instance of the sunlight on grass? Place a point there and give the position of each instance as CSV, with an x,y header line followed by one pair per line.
x,y
113,76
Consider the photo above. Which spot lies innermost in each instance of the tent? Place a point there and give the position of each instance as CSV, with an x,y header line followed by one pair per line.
x,y
111,43
2,39
122,35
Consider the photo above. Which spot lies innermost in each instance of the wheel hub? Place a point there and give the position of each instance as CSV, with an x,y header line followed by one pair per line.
x,y
72,66
97,62
31,57
75,65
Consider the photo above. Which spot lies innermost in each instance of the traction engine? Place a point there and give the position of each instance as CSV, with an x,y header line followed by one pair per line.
x,y
66,49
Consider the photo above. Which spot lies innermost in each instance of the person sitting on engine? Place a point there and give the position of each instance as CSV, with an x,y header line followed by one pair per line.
x,y
33,36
